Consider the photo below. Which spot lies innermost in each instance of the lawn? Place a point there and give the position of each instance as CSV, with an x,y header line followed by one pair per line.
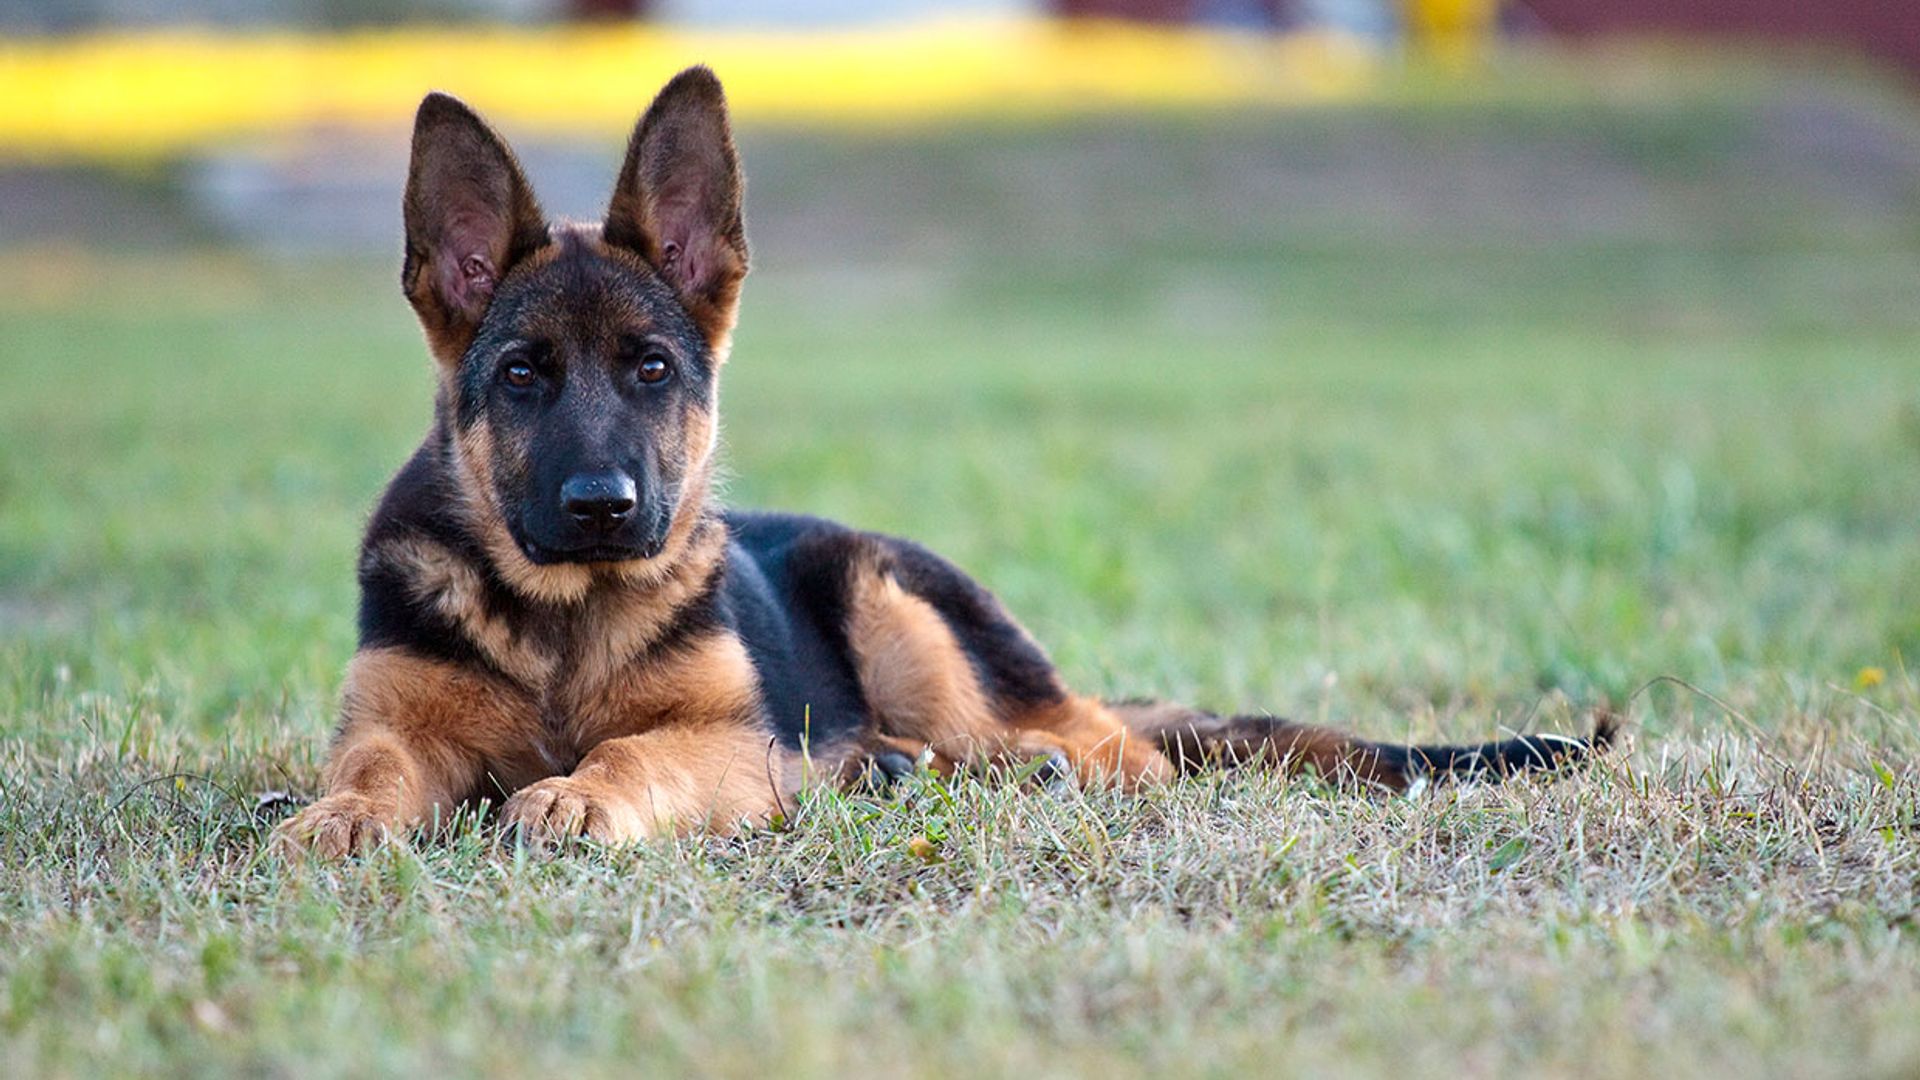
x,y
1431,422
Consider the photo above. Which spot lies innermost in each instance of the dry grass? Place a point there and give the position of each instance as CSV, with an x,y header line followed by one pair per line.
x,y
1714,904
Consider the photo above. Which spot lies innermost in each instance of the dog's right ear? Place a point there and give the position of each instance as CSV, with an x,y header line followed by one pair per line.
x,y
470,216
677,203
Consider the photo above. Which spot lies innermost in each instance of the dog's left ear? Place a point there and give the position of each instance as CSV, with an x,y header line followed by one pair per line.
x,y
678,200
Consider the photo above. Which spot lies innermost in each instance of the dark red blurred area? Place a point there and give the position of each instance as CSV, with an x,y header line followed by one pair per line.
x,y
1887,29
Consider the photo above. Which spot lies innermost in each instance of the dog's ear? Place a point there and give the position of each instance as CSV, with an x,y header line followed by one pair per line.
x,y
469,216
677,202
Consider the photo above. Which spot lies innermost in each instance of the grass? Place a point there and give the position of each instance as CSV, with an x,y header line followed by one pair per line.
x,y
1429,423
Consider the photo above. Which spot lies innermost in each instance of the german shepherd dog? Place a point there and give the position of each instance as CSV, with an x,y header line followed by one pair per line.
x,y
555,613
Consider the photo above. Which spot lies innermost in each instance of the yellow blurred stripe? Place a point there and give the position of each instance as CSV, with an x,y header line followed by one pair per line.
x,y
150,94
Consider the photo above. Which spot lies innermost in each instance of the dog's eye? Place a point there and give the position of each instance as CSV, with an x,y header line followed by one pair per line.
x,y
518,375
654,369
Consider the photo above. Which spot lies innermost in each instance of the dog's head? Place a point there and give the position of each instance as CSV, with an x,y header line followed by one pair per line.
x,y
579,363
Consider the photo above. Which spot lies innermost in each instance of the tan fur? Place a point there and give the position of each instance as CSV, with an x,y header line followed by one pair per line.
x,y
713,776
416,738
709,682
563,583
451,586
1098,745
677,745
854,768
619,623
916,678
923,691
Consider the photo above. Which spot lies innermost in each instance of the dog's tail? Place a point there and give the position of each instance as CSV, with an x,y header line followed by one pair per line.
x,y
1197,740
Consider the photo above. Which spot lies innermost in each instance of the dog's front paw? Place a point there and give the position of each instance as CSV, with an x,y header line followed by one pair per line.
x,y
561,807
342,824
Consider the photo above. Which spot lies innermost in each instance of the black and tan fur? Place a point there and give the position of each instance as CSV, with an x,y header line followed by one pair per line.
x,y
631,664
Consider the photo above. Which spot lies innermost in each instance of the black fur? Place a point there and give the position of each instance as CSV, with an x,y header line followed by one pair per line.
x,y
1014,669
414,505
816,557
785,577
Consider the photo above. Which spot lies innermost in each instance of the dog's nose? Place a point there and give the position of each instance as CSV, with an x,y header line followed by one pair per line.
x,y
599,500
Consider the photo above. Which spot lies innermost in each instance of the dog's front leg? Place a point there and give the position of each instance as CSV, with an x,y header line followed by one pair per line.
x,y
674,779
378,784
414,735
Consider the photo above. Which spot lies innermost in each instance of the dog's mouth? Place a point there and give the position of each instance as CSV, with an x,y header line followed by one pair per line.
x,y
543,555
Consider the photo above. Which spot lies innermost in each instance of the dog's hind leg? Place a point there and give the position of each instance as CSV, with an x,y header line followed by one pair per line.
x,y
1096,742
880,761
926,684
917,679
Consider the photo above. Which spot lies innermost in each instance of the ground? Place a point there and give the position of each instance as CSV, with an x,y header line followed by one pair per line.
x,y
1435,422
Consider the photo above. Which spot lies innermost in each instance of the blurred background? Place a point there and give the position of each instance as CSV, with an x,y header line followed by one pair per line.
x,y
1402,357
271,123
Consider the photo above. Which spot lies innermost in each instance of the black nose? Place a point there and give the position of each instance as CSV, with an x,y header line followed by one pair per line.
x,y
599,500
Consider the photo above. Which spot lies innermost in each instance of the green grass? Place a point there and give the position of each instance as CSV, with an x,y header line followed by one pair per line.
x,y
1390,419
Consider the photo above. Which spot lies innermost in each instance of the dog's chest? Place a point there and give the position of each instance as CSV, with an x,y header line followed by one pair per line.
x,y
608,671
